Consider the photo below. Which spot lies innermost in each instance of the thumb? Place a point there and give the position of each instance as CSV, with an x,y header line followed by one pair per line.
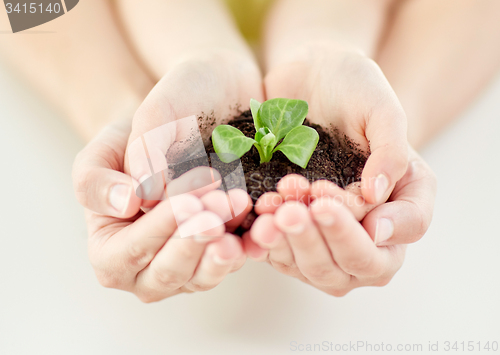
x,y
386,131
159,138
406,218
99,183
146,156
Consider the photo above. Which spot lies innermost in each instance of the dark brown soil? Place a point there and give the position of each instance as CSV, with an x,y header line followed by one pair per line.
x,y
336,159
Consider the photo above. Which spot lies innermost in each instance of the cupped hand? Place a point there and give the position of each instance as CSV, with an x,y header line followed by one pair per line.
x,y
143,253
324,244
180,113
147,254
348,91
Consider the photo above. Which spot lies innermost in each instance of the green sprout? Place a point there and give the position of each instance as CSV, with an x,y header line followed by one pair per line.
x,y
275,121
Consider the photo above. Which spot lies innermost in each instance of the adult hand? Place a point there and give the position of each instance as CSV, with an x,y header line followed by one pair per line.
x,y
211,87
348,91
142,253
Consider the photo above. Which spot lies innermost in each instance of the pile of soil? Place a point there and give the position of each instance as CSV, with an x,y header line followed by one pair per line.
x,y
336,159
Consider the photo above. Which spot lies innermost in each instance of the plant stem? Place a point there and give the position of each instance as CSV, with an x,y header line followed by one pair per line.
x,y
263,158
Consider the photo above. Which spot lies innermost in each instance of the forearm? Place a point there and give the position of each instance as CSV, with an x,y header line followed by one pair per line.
x,y
166,32
82,64
295,28
438,56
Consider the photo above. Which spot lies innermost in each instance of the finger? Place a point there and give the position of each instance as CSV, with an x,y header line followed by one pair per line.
x,y
146,154
351,197
294,187
252,249
159,132
99,184
268,203
153,132
241,260
351,247
311,254
386,130
241,205
216,263
265,233
267,236
122,256
197,181
407,217
176,262
232,207
152,190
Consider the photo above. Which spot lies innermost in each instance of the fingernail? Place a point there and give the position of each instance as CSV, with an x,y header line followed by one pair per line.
x,y
381,185
294,228
198,183
119,197
325,219
384,230
219,261
146,187
181,216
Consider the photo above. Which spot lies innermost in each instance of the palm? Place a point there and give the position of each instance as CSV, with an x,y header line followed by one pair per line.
x,y
211,90
349,93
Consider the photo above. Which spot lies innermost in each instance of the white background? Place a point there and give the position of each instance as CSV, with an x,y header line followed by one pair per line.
x,y
51,303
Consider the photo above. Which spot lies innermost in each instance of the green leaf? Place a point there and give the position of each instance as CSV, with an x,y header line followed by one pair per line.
x,y
254,108
230,143
282,115
261,133
267,144
299,145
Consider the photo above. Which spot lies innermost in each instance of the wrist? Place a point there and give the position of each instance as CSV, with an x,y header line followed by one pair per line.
x,y
224,56
107,104
318,23
235,68
314,52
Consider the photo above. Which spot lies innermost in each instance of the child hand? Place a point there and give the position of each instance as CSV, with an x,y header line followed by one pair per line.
x,y
324,245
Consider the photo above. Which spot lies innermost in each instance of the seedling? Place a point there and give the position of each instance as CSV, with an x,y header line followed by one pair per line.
x,y
276,121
